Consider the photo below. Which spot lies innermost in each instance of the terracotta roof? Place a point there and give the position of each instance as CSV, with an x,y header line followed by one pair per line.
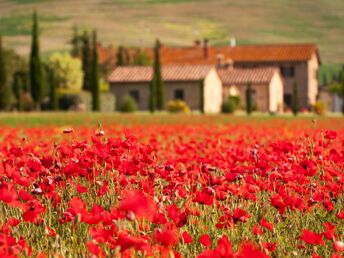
x,y
243,53
169,73
244,76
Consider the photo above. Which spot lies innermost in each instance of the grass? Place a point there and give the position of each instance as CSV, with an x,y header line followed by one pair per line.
x,y
180,22
93,119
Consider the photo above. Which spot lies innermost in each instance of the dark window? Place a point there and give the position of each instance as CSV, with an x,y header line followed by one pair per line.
x,y
287,71
287,99
179,94
135,94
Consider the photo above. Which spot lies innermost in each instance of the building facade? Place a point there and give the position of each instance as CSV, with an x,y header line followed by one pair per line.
x,y
198,85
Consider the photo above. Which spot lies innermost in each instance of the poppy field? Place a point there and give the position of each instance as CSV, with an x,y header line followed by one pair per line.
x,y
240,188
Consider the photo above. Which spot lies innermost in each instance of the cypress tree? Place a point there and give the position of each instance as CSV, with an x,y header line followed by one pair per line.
x,y
158,77
76,43
36,79
249,101
86,61
295,100
95,76
4,88
120,57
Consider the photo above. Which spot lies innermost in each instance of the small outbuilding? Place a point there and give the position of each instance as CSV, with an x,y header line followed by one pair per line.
x,y
267,85
198,85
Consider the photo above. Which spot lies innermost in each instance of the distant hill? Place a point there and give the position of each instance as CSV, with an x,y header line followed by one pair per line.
x,y
179,22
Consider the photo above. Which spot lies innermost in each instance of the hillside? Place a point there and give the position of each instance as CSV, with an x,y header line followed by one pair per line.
x,y
179,22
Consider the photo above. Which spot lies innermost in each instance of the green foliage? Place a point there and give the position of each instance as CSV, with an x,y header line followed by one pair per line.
x,y
4,87
76,43
249,100
67,71
36,73
86,60
229,106
157,84
18,89
128,105
122,56
95,76
177,106
141,58
295,106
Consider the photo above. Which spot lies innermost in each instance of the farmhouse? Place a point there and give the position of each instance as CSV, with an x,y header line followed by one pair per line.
x,y
198,85
298,63
267,86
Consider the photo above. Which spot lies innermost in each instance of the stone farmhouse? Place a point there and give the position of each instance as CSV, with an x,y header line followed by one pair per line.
x,y
198,85
268,65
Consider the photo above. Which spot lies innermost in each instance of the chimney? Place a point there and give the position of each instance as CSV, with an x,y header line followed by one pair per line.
x,y
233,42
205,48
219,61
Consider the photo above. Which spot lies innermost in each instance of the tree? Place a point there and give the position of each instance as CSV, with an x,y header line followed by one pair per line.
x,y
4,87
86,60
67,72
18,87
141,58
76,43
249,100
123,57
295,100
36,76
157,81
95,76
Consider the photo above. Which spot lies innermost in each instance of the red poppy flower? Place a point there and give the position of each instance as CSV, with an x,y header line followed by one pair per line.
x,y
266,224
186,237
312,238
139,203
205,240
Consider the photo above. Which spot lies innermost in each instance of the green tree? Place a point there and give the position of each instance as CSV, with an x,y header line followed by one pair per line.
x,y
249,100
67,71
76,43
36,73
86,60
157,80
18,88
5,91
123,57
295,106
95,76
141,58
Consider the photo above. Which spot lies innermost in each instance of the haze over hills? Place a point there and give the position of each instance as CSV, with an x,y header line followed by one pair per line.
x,y
179,22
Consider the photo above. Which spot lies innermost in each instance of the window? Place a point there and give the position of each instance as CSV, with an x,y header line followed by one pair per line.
x,y
135,94
287,71
179,94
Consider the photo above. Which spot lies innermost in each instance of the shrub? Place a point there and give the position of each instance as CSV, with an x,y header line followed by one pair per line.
x,y
177,106
228,107
235,99
128,105
319,108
